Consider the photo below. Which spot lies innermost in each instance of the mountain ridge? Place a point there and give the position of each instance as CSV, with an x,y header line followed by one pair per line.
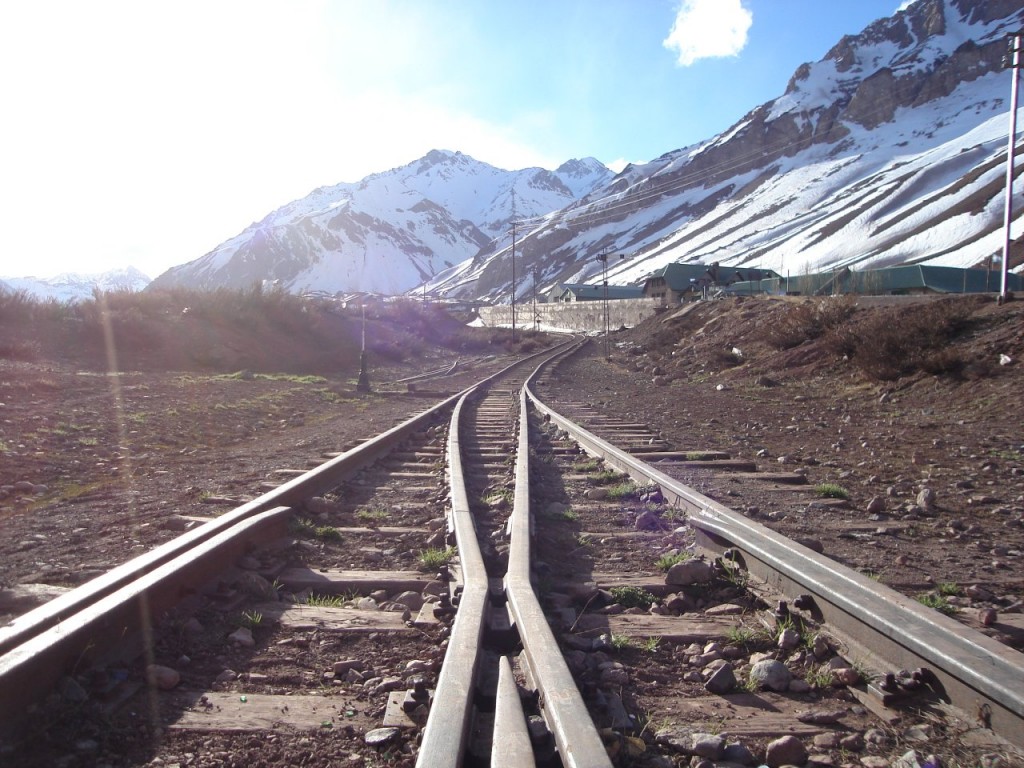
x,y
389,232
76,286
888,150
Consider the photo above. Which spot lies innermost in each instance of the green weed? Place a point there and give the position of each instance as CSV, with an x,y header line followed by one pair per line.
x,y
665,562
433,558
327,533
325,601
620,642
831,491
650,644
819,676
606,477
375,515
632,597
742,635
938,603
302,526
627,490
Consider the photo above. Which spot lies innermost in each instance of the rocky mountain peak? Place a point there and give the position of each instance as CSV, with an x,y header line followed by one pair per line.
x,y
892,138
579,167
388,232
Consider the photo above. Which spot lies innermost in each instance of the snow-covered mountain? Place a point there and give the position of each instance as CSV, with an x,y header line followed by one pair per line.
x,y
72,286
890,150
389,232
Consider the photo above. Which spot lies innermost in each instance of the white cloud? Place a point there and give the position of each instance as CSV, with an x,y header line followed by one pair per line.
x,y
706,29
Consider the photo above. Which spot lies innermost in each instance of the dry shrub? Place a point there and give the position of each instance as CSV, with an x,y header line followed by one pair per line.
x,y
808,320
724,358
898,342
19,350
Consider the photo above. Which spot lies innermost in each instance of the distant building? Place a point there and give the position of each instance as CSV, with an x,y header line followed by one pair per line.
x,y
908,280
554,293
676,282
578,292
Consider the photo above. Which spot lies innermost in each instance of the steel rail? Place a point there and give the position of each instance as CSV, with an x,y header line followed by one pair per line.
x,y
447,731
37,647
566,714
973,672
97,633
323,478
445,737
21,655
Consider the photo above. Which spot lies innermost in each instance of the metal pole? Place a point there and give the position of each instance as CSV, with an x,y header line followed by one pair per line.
x,y
513,265
1014,41
603,258
605,269
363,383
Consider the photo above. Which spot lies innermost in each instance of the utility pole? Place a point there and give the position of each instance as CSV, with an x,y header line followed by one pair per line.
x,y
1013,62
363,383
513,265
536,308
603,258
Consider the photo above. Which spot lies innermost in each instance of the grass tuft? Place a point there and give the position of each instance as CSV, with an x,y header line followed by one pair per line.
x,y
665,562
831,491
632,597
938,603
433,558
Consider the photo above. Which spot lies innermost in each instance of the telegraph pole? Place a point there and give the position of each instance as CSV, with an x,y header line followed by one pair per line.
x,y
536,308
1013,63
513,265
363,383
603,258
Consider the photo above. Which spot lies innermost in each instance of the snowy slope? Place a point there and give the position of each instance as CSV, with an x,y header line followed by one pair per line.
x,y
389,232
72,286
891,149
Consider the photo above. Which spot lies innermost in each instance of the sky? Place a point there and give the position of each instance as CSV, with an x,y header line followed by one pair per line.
x,y
145,133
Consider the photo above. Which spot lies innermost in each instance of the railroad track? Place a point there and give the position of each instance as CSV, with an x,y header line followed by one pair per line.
x,y
460,664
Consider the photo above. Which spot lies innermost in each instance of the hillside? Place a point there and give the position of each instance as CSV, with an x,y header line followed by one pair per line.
x,y
889,150
389,232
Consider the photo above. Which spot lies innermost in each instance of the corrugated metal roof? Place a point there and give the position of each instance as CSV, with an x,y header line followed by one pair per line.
x,y
910,277
679,277
596,292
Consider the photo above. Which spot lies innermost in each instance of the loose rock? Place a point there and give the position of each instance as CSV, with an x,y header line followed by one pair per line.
x,y
788,750
771,674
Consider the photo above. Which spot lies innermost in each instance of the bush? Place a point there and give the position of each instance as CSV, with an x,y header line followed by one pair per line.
x,y
894,343
809,320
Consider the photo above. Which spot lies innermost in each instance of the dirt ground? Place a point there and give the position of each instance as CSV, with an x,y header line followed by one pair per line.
x,y
96,466
708,379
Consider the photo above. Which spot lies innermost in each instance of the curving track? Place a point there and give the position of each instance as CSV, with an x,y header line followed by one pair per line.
x,y
504,692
